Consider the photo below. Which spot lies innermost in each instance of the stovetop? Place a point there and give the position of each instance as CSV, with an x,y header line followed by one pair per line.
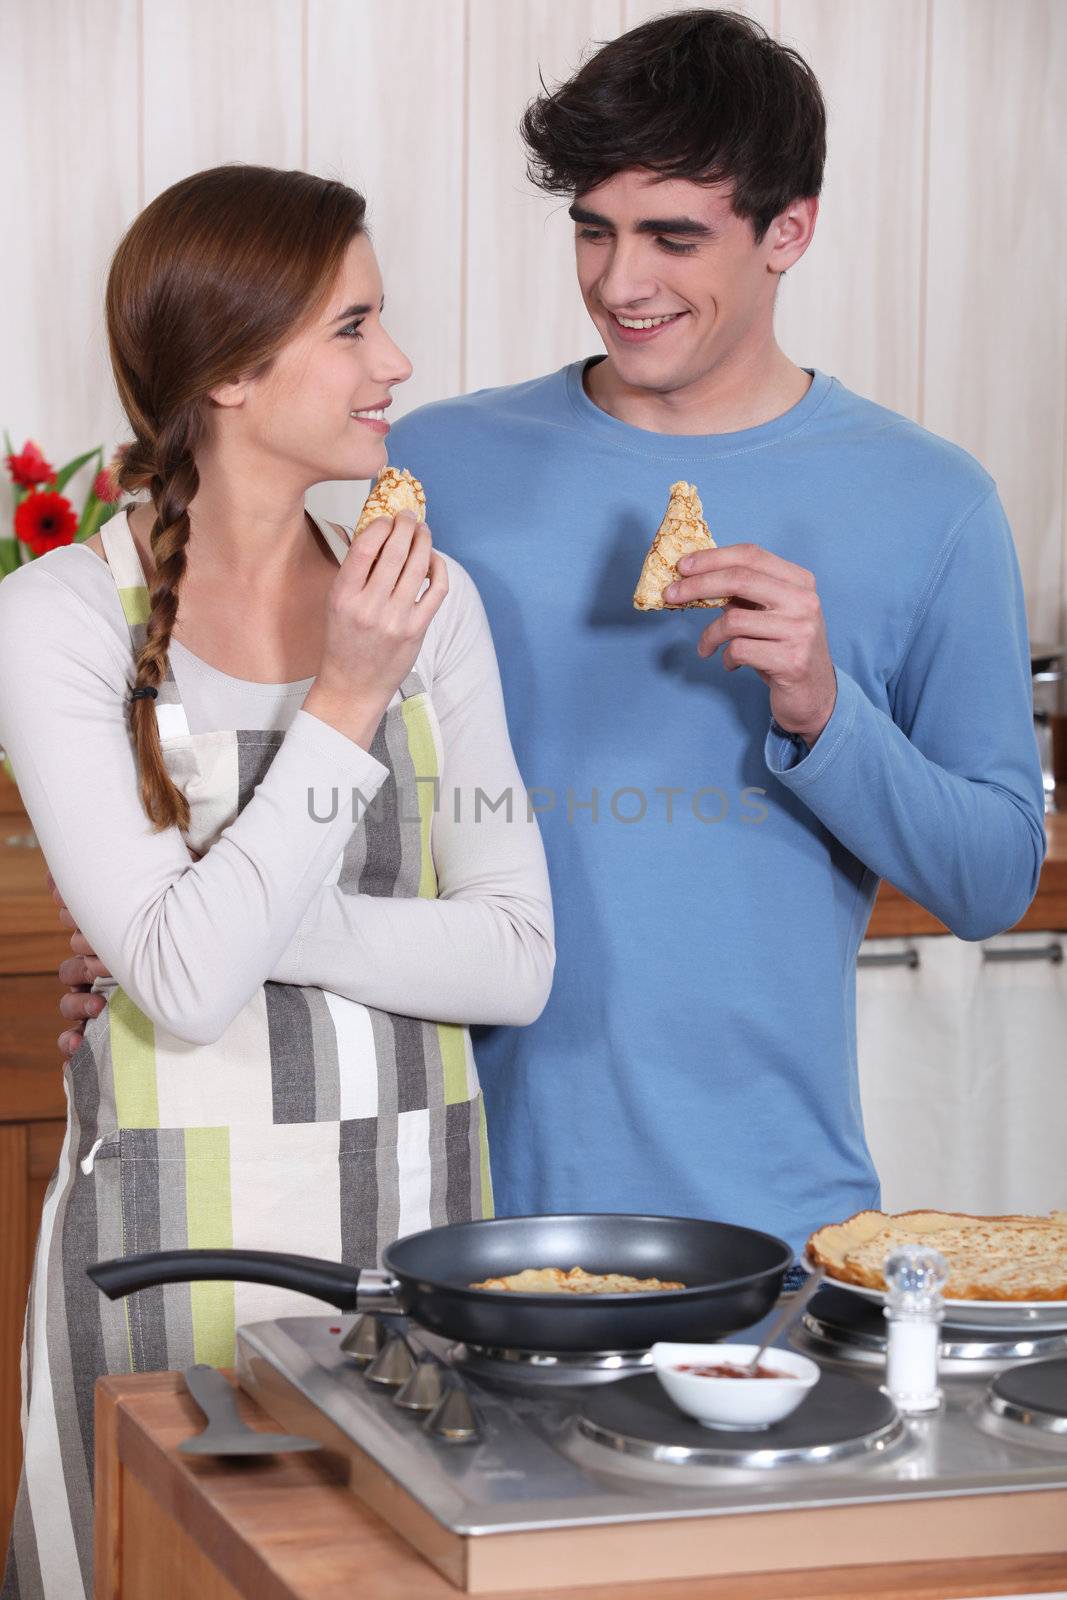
x,y
563,1453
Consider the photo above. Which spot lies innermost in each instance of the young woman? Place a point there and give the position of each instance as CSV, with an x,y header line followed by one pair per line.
x,y
252,753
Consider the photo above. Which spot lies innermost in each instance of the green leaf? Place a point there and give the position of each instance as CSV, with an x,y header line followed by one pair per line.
x,y
9,556
64,475
90,521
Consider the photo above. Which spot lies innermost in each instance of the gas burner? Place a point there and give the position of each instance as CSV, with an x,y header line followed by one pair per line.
x,y
842,1417
843,1327
1034,1396
537,1369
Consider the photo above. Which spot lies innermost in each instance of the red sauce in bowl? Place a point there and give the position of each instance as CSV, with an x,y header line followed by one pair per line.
x,y
725,1370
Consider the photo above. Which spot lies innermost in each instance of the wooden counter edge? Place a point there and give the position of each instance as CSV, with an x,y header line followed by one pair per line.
x,y
209,1504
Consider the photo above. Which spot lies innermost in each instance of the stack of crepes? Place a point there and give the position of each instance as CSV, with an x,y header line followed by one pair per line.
x,y
394,491
990,1258
682,531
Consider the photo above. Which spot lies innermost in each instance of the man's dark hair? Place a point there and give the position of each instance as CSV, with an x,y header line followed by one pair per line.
x,y
705,95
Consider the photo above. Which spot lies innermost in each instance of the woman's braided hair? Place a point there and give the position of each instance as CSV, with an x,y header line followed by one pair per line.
x,y
206,286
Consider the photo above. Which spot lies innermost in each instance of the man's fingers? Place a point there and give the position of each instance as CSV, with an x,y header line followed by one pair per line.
x,y
70,1041
72,972
744,583
740,624
78,1005
747,555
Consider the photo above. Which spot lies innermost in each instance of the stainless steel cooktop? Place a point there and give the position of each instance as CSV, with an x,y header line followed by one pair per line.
x,y
568,1452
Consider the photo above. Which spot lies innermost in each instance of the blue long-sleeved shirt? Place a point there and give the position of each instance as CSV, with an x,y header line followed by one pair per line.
x,y
712,876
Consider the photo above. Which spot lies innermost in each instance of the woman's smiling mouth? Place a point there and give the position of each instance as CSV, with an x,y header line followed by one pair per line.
x,y
371,419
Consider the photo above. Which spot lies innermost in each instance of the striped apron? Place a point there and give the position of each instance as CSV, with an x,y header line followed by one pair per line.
x,y
314,1125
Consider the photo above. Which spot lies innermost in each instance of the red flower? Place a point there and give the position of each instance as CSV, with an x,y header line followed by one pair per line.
x,y
45,520
30,467
104,486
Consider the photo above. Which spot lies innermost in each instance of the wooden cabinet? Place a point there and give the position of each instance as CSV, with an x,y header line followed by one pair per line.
x,y
32,1102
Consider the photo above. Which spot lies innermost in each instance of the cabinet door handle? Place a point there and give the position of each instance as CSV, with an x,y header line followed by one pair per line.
x,y
888,958
1043,952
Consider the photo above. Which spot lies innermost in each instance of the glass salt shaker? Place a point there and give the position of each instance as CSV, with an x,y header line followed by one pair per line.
x,y
914,1309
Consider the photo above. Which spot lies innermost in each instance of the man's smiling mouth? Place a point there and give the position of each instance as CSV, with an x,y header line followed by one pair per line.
x,y
646,322
641,330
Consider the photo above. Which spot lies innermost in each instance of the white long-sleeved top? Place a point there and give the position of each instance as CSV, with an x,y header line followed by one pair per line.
x,y
191,940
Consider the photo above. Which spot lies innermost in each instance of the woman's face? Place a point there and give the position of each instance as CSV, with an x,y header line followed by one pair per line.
x,y
341,362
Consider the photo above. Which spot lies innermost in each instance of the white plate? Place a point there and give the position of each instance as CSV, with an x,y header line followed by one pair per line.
x,y
975,1313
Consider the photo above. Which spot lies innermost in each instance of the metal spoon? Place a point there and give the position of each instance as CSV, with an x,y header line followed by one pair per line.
x,y
785,1318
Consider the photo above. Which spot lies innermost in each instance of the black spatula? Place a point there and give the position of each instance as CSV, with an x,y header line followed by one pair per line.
x,y
226,1434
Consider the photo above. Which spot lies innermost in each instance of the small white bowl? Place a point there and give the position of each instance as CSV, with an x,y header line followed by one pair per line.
x,y
739,1403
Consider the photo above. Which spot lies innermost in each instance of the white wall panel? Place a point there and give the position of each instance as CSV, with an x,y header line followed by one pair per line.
x,y
69,97
995,370
765,12
934,285
852,304
524,313
399,139
224,81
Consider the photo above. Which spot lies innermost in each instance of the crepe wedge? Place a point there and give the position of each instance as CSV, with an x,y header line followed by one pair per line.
x,y
682,531
395,490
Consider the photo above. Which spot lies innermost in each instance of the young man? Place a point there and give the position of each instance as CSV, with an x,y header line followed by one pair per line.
x,y
719,792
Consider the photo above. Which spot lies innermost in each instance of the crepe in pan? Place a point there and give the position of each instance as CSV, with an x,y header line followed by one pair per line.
x,y
682,531
553,1280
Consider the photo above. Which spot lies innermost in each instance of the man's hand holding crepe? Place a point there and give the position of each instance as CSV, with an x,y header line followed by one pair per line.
x,y
773,623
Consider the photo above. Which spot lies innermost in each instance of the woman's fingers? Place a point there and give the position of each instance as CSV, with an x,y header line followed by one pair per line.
x,y
394,554
438,586
416,568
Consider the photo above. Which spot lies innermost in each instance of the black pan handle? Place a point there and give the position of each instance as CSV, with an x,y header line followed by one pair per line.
x,y
323,1280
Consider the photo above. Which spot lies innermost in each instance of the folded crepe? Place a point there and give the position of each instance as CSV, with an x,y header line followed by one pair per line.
x,y
682,530
395,490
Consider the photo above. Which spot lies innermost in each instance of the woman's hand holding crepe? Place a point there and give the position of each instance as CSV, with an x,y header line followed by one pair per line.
x,y
375,623
774,623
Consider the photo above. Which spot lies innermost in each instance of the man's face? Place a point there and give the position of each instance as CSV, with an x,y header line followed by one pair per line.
x,y
648,248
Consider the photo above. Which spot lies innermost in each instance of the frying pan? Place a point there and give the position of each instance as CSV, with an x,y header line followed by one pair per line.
x,y
733,1276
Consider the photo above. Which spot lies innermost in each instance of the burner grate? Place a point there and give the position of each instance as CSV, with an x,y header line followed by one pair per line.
x,y
540,1369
